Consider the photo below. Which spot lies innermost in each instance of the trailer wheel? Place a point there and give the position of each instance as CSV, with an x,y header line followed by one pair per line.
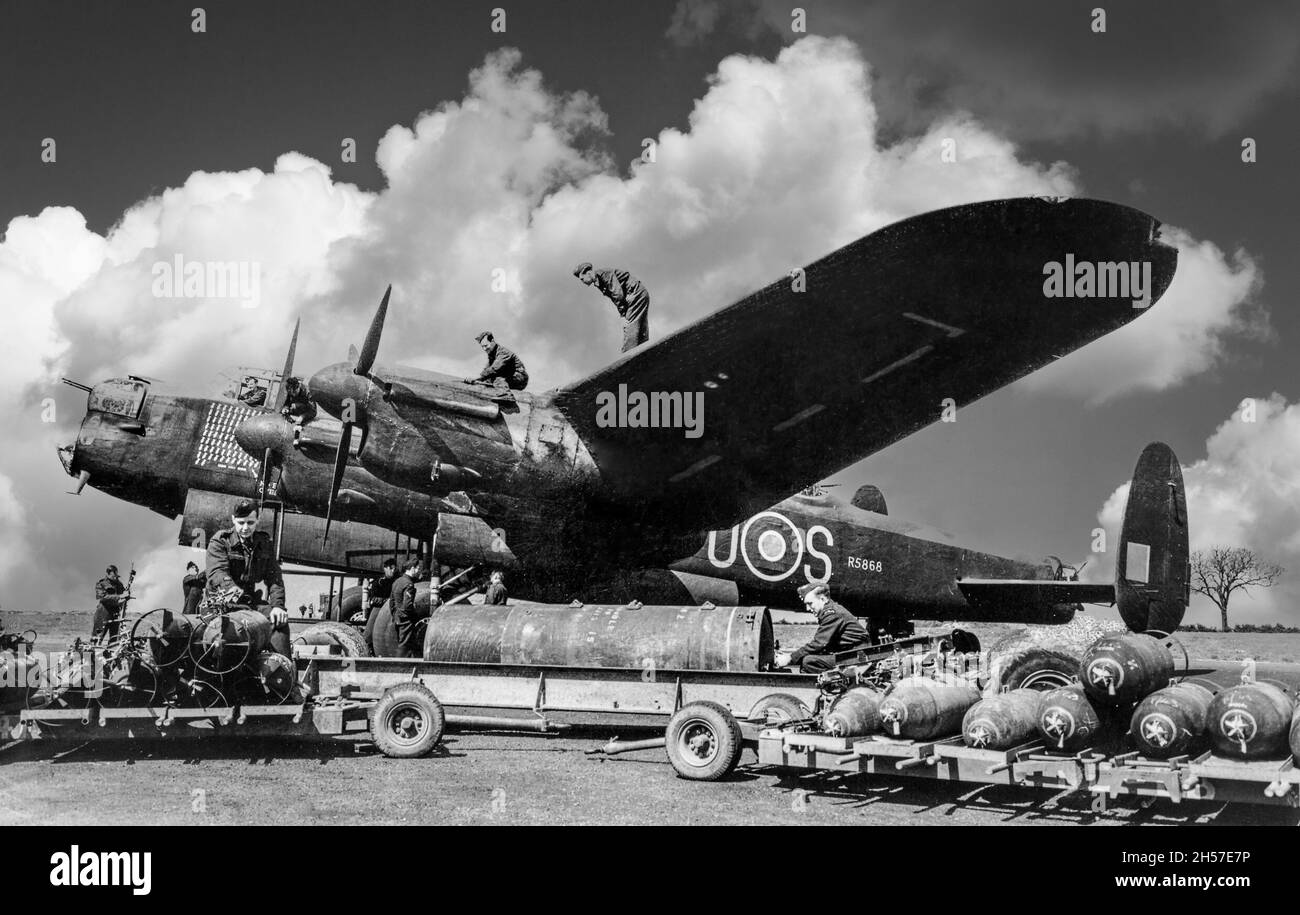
x,y
703,741
1038,668
407,721
351,643
777,709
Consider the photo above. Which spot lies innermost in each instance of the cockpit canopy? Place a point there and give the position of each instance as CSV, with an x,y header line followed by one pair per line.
x,y
253,387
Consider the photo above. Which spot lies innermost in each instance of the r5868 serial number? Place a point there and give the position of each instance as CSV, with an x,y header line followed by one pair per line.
x,y
866,565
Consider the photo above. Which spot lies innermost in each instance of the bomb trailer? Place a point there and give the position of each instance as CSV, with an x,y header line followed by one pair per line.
x,y
706,718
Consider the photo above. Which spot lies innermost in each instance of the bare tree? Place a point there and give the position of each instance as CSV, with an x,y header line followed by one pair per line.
x,y
1221,570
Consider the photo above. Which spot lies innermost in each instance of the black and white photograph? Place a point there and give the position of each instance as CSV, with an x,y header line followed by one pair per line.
x,y
674,413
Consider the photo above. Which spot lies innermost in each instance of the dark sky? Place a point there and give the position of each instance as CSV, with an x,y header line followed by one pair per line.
x,y
137,101
1152,113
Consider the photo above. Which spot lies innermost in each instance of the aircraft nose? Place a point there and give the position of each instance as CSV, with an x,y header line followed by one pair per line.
x,y
262,431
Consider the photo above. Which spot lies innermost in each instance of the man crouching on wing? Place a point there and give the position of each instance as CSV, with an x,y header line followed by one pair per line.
x,y
242,557
837,630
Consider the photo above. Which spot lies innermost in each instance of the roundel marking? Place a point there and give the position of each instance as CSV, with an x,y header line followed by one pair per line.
x,y
765,541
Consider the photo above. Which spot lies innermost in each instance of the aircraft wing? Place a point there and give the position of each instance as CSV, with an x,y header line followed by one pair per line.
x,y
797,385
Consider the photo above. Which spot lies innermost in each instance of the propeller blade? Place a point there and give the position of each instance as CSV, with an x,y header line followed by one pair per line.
x,y
340,464
370,347
353,353
82,479
288,365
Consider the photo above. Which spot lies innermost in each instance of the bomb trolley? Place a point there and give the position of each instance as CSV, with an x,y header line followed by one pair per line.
x,y
707,719
1203,777
405,704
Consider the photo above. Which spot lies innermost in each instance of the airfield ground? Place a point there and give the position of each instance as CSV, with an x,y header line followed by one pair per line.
x,y
489,778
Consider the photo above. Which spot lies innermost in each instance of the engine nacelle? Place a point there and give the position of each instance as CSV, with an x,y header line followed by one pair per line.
x,y
353,546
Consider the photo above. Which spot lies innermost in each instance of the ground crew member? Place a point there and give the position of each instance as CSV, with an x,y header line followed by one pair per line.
x,y
496,592
381,587
298,406
193,585
391,631
240,558
629,296
837,630
504,369
108,605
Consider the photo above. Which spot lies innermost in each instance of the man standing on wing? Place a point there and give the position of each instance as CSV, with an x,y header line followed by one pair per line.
x,y
629,296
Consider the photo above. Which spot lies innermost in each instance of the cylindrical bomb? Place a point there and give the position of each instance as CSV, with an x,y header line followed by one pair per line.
x,y
1250,720
1068,721
132,680
231,639
171,641
854,714
647,637
1171,721
920,708
1124,668
1295,734
1002,722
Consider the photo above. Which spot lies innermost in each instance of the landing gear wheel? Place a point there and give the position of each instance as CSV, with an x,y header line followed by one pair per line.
x,y
407,721
703,742
778,709
351,644
1038,668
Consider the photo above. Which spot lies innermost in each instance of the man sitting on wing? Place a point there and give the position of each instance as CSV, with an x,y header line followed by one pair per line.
x,y
504,369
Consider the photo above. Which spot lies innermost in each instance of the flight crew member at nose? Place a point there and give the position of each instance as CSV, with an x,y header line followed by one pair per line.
x,y
108,605
504,369
240,558
298,406
837,630
629,296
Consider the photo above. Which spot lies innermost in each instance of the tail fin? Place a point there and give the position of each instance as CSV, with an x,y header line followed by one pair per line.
x,y
1152,572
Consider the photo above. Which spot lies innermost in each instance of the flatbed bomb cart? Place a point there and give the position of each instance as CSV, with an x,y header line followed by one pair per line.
x,y
705,719
405,704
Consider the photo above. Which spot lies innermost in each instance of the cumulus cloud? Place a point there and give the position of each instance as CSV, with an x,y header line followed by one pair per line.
x,y
1210,303
1245,492
489,202
1217,65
